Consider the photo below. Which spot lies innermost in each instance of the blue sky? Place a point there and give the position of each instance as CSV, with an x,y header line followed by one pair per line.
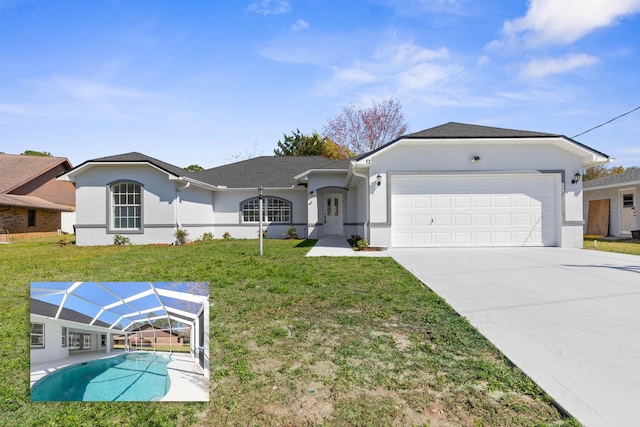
x,y
207,81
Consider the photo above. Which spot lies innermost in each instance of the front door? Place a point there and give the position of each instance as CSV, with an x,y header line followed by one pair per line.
x,y
333,214
628,212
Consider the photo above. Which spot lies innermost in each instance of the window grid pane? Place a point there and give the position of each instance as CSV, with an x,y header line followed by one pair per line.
x,y
127,209
275,210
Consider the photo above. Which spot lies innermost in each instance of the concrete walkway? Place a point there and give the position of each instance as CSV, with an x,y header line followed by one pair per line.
x,y
569,318
338,246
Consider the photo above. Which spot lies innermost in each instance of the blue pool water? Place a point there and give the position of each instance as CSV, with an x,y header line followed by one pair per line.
x,y
128,377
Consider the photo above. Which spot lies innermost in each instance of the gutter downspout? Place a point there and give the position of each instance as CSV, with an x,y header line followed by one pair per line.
x,y
177,210
366,179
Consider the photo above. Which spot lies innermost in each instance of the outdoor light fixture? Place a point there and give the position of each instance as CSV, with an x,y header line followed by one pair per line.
x,y
576,178
379,180
475,159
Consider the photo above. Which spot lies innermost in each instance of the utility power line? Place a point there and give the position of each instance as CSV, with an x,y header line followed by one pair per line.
x,y
607,122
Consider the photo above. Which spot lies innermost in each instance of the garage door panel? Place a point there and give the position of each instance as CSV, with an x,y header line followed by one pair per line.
x,y
479,210
463,219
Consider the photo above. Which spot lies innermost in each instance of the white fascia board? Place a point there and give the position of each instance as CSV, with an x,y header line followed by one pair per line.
x,y
306,173
70,175
588,156
195,182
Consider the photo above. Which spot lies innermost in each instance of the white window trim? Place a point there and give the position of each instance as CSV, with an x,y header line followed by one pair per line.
x,y
32,334
265,218
111,228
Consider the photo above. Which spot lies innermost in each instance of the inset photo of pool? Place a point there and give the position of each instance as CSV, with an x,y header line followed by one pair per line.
x,y
119,341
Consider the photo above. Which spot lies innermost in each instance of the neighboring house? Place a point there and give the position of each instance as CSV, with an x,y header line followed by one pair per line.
x,y
611,204
54,335
147,336
451,185
32,201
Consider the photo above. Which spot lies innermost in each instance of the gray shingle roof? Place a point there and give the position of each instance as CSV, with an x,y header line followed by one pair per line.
x,y
628,176
45,309
463,130
267,171
134,157
454,130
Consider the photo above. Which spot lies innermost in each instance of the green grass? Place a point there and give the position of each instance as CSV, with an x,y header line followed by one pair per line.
x,y
627,246
294,341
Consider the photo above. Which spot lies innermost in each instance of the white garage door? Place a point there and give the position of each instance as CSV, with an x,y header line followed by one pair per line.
x,y
473,210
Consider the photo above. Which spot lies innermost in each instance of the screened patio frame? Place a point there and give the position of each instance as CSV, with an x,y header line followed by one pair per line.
x,y
125,306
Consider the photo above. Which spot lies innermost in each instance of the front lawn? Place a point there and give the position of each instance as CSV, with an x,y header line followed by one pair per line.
x,y
623,246
294,341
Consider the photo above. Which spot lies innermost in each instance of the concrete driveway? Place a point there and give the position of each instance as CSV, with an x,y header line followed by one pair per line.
x,y
569,318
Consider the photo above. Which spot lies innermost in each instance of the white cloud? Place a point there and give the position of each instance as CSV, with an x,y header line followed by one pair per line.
x,y
542,67
559,22
90,90
405,66
300,25
270,7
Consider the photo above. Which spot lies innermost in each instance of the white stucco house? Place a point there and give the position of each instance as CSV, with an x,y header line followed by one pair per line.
x,y
451,185
611,204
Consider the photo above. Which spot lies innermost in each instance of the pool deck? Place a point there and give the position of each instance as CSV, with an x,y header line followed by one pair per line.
x,y
188,382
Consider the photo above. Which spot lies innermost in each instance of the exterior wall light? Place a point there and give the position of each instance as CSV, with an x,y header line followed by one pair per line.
x,y
379,180
576,178
475,159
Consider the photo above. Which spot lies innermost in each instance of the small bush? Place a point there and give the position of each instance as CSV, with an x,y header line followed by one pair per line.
x,y
181,235
226,235
119,240
64,241
354,239
291,233
206,237
362,244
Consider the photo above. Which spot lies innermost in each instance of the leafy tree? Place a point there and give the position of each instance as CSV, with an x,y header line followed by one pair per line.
x,y
365,129
194,168
36,153
336,152
298,144
600,171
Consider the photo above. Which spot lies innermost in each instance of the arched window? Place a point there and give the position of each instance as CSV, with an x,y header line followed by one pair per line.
x,y
126,206
275,209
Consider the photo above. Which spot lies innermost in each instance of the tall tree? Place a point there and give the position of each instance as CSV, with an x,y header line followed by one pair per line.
x,y
36,153
365,129
298,144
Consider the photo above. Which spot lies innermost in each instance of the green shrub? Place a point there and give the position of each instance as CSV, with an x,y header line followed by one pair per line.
x,y
362,244
181,235
291,233
354,239
119,240
206,237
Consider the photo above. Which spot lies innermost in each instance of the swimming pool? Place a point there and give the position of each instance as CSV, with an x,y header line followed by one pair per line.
x,y
140,376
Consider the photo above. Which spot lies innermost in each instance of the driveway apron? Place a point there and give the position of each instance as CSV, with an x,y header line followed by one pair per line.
x,y
569,318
